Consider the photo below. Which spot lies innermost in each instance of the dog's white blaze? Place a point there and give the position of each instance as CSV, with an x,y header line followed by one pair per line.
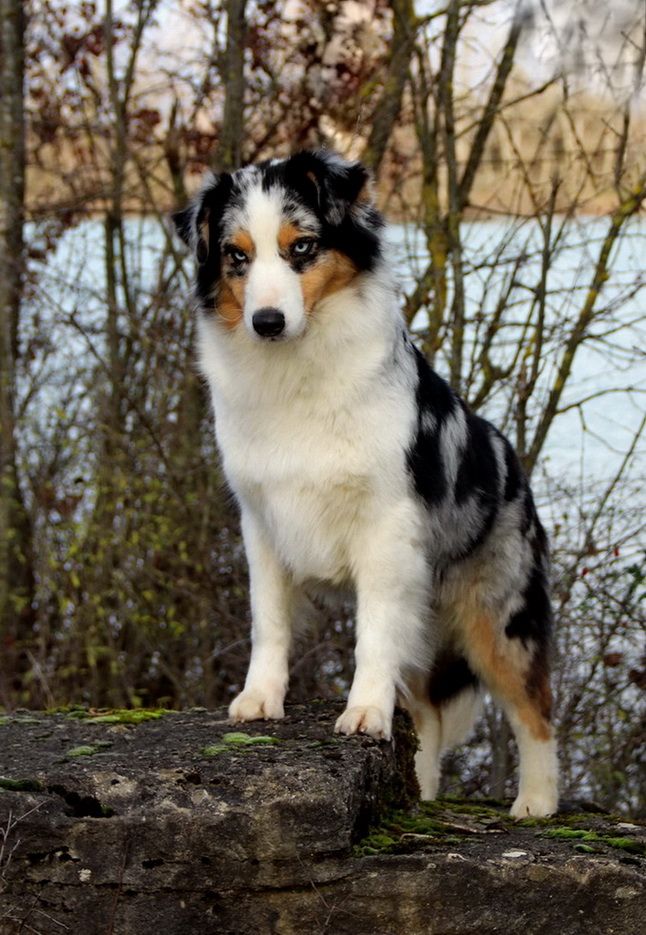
x,y
271,282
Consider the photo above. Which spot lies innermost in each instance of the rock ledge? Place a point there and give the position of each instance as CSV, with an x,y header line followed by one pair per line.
x,y
122,823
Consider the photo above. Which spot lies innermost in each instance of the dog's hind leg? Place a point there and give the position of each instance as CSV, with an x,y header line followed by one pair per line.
x,y
513,665
427,724
444,708
538,780
272,599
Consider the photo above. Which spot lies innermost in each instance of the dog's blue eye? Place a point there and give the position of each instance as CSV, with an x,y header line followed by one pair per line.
x,y
238,256
303,247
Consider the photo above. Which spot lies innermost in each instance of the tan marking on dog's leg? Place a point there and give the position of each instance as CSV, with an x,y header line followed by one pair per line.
x,y
519,679
538,684
503,665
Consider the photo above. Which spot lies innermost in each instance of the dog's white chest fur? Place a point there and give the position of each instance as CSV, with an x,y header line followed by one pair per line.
x,y
313,497
313,443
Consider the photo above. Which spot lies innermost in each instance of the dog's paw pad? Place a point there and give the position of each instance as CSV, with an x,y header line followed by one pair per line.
x,y
256,706
537,805
365,720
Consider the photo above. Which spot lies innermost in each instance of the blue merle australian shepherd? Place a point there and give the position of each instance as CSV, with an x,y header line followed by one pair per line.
x,y
357,467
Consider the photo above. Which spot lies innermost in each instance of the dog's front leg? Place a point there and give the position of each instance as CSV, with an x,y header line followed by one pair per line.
x,y
392,581
271,610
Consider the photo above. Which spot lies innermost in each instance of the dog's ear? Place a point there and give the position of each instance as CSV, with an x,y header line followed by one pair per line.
x,y
334,184
197,223
183,223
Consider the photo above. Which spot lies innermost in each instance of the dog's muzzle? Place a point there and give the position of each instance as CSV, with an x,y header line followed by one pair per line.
x,y
268,322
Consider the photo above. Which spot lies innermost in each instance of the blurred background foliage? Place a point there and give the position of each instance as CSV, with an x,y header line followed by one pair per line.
x,y
507,144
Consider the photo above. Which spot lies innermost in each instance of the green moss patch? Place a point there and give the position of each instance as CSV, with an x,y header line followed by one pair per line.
x,y
247,740
632,845
128,716
20,785
88,749
487,810
566,833
398,831
111,715
82,750
238,740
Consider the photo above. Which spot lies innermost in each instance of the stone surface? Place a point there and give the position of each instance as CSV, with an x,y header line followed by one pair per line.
x,y
184,824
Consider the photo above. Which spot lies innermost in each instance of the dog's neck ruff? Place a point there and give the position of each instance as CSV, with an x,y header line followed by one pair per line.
x,y
349,340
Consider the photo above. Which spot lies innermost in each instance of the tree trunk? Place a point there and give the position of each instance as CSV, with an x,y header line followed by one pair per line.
x,y
228,155
389,105
16,572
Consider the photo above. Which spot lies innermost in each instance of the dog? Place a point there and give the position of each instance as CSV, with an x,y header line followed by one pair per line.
x,y
356,466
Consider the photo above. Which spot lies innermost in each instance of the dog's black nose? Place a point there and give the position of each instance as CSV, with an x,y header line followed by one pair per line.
x,y
268,322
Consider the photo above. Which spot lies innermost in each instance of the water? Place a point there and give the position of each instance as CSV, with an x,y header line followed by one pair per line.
x,y
587,443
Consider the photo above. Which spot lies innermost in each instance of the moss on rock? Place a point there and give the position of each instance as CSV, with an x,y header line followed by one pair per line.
x,y
21,785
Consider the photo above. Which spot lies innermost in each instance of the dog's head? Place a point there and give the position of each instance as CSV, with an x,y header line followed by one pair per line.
x,y
273,240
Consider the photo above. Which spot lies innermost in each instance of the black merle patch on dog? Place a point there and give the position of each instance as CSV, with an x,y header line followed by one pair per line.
x,y
433,393
533,622
479,537
478,471
529,511
513,472
190,223
330,189
326,183
435,399
450,676
477,481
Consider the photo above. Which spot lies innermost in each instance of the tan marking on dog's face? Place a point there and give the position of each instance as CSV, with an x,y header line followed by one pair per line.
x,y
330,273
230,302
242,240
289,234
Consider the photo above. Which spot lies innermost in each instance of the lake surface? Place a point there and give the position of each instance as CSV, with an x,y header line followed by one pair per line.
x,y
585,445
592,441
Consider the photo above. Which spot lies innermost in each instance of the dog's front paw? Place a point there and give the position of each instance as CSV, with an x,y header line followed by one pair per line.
x,y
256,705
365,720
535,805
